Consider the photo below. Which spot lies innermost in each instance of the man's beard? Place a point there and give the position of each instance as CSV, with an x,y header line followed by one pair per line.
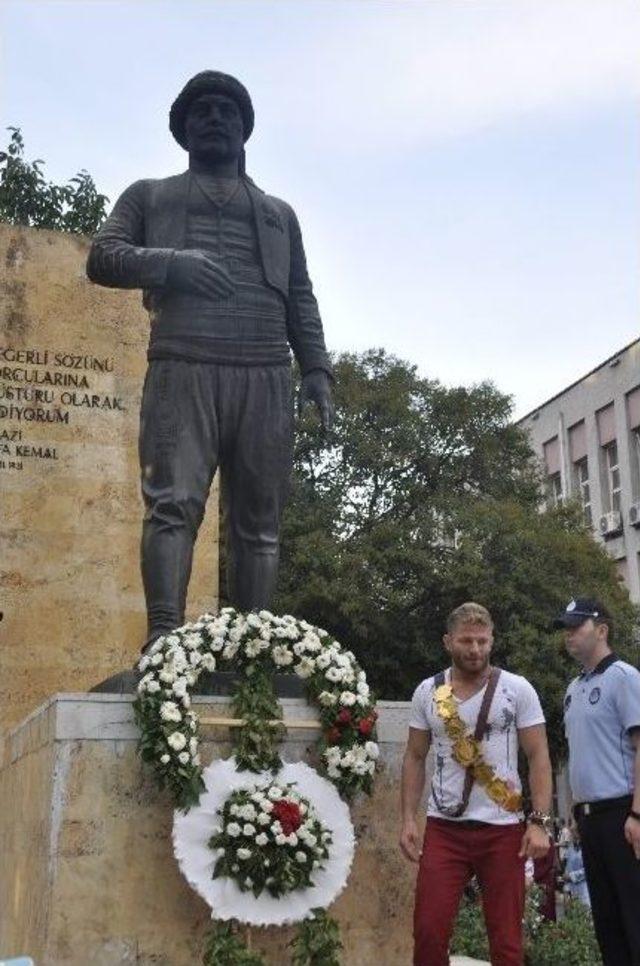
x,y
471,667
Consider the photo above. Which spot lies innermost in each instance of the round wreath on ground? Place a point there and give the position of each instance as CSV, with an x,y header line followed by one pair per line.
x,y
304,863
256,644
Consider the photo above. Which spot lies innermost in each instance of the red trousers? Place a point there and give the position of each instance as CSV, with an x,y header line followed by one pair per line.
x,y
452,852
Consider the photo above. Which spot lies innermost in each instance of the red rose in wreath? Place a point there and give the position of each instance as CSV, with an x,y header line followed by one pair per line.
x,y
288,814
366,726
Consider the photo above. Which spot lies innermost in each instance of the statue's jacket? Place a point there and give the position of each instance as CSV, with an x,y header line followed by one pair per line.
x,y
134,247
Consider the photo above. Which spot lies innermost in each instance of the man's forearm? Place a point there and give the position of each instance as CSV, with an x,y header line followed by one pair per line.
x,y
413,775
540,781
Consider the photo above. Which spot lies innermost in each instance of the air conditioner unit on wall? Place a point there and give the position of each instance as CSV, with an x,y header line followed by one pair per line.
x,y
634,514
611,524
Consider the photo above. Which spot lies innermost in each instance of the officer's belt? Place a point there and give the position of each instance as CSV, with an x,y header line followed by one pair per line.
x,y
581,809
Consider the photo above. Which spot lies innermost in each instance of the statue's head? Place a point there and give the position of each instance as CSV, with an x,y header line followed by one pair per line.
x,y
212,117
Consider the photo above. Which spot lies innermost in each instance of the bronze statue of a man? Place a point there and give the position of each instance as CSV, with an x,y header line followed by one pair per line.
x,y
225,282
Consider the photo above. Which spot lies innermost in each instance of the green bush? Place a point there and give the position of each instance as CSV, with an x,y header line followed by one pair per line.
x,y
570,941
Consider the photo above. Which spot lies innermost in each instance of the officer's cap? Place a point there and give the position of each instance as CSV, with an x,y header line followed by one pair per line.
x,y
579,610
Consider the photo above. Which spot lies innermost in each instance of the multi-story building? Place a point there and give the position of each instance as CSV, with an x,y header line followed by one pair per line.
x,y
588,437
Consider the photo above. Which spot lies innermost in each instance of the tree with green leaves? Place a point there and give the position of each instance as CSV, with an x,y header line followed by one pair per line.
x,y
27,198
421,498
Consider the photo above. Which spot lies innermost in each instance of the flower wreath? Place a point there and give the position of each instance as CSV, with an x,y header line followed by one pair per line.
x,y
256,645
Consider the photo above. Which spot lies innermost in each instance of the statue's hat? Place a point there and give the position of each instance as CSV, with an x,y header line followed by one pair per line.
x,y
209,82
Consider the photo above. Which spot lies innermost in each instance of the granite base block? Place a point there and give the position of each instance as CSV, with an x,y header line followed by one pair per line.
x,y
88,871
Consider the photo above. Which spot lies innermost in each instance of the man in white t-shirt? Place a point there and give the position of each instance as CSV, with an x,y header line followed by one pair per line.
x,y
476,717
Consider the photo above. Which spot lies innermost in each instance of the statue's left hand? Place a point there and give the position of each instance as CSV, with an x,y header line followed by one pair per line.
x,y
316,388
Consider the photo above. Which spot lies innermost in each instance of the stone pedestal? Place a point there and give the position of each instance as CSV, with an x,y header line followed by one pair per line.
x,y
88,873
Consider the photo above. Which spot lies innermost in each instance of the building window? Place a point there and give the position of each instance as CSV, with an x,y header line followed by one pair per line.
x,y
554,489
581,471
612,471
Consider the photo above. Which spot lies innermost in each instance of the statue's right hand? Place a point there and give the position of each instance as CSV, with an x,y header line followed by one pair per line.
x,y
193,271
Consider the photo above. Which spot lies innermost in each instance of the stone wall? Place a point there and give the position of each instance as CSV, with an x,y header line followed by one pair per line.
x,y
88,872
72,362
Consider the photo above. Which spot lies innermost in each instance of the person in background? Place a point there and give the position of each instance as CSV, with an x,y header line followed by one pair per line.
x,y
602,724
574,876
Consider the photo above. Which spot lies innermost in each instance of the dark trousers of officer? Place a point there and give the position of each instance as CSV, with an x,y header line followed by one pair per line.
x,y
195,417
613,877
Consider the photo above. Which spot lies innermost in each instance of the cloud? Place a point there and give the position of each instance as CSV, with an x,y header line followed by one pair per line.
x,y
425,71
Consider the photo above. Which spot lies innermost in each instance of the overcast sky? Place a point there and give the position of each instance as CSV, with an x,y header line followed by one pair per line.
x,y
466,173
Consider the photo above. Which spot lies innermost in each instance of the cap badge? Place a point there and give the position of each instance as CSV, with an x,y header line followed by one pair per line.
x,y
571,606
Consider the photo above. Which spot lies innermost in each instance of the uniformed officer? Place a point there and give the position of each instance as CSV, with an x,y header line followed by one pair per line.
x,y
602,724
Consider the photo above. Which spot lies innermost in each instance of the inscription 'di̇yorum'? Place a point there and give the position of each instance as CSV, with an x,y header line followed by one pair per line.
x,y
46,386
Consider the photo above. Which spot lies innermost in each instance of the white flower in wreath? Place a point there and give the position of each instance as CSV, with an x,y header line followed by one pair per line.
x,y
171,640
248,812
281,655
191,677
334,674
267,806
243,854
281,839
263,819
249,830
372,750
157,659
327,699
323,660
177,740
167,675
184,757
165,759
312,641
301,857
144,662
193,745
306,667
333,771
153,687
348,759
274,793
169,711
180,686
195,658
332,755
253,647
217,643
233,829
230,650
261,839
292,839
208,662
254,620
347,698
